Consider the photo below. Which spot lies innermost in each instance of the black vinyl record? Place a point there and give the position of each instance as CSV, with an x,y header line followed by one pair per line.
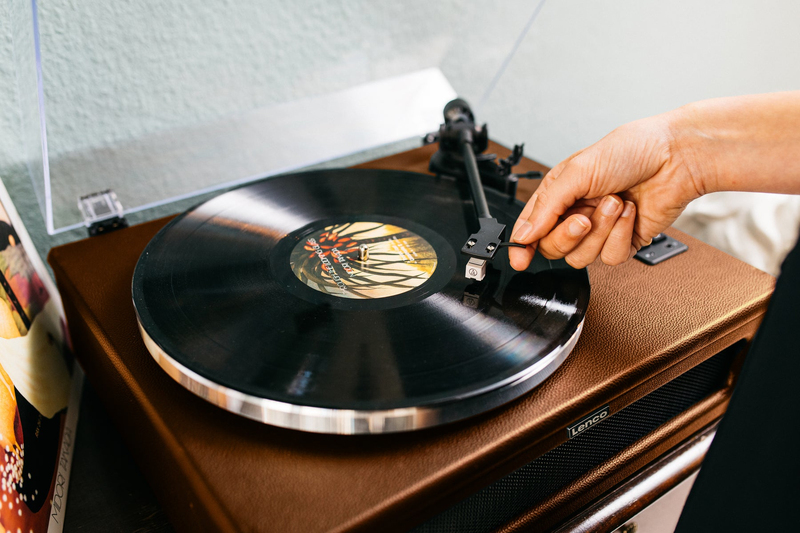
x,y
335,301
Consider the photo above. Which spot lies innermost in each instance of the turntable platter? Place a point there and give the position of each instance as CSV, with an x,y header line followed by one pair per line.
x,y
335,301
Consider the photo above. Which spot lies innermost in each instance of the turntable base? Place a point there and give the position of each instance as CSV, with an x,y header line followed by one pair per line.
x,y
212,470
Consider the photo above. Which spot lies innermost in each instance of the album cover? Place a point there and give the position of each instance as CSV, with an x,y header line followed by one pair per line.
x,y
39,386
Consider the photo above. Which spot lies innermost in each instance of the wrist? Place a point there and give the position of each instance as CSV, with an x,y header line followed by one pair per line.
x,y
689,151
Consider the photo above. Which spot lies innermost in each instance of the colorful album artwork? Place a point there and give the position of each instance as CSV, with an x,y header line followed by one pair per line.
x,y
398,260
35,385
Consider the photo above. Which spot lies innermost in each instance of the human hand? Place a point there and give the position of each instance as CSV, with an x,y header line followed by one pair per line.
x,y
607,200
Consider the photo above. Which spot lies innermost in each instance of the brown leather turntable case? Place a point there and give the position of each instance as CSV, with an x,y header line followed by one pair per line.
x,y
651,332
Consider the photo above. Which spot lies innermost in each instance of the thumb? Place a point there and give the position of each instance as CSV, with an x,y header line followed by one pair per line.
x,y
554,197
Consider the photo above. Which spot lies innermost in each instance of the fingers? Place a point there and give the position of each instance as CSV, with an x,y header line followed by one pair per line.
x,y
520,258
587,210
557,193
619,247
603,221
522,226
639,241
633,161
605,231
565,237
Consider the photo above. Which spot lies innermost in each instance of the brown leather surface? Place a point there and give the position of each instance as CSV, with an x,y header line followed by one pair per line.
x,y
213,470
563,504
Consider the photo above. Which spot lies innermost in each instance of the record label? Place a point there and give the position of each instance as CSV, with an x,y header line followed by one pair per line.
x,y
363,260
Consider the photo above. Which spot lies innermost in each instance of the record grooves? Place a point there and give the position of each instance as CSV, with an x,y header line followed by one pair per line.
x,y
335,301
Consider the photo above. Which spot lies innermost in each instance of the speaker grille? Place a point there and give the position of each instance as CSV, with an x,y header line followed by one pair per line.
x,y
521,490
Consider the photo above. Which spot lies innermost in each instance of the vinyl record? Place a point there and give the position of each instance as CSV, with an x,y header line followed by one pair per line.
x,y
335,301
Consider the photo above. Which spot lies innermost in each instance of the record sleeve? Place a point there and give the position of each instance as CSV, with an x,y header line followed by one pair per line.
x,y
41,386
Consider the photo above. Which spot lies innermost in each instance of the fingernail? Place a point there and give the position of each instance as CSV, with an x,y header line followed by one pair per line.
x,y
523,231
577,227
628,211
610,205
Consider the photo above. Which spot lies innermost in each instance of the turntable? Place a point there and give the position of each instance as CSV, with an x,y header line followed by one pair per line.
x,y
335,301
653,366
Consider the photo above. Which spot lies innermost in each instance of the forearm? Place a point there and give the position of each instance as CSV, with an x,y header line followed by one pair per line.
x,y
746,143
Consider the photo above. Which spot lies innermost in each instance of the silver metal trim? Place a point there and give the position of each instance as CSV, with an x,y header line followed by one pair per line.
x,y
352,422
624,502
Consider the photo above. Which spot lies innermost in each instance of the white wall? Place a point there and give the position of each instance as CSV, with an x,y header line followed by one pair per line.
x,y
589,66
116,70
120,70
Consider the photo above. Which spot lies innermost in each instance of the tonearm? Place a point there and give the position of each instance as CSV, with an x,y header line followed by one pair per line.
x,y
460,154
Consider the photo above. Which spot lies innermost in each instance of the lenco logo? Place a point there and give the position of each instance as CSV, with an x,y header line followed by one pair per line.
x,y
582,425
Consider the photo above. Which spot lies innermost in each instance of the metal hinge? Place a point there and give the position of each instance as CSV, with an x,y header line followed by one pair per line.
x,y
102,212
661,249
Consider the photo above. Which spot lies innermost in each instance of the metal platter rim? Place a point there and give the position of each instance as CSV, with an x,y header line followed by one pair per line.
x,y
354,422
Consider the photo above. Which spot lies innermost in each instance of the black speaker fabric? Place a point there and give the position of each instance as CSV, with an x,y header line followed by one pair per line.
x,y
519,491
